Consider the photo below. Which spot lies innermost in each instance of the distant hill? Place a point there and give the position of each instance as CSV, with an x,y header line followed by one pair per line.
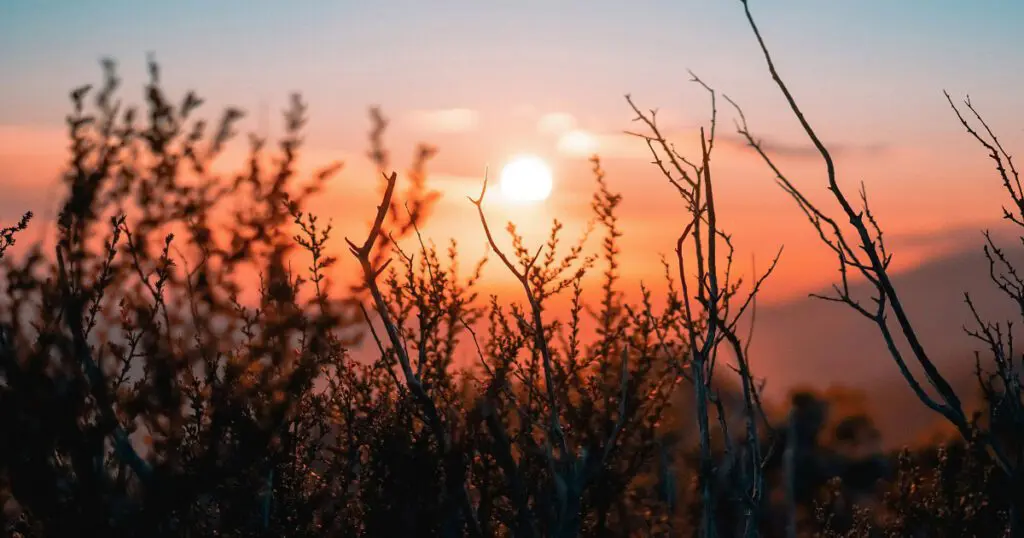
x,y
811,342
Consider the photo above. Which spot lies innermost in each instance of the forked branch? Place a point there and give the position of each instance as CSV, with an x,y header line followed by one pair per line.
x,y
869,241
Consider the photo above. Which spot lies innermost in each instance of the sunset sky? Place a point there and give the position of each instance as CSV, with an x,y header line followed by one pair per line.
x,y
486,81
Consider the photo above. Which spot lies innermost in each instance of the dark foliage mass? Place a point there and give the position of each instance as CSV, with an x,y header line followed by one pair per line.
x,y
175,362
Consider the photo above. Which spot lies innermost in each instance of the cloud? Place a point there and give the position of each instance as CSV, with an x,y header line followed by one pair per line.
x,y
963,237
578,143
447,120
802,151
556,123
581,143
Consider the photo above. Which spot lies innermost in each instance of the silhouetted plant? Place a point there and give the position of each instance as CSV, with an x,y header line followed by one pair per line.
x,y
165,371
860,250
141,392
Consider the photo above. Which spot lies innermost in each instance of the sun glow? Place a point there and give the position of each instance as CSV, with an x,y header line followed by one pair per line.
x,y
526,179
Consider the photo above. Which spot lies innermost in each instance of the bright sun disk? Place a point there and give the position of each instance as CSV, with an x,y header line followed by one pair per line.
x,y
526,179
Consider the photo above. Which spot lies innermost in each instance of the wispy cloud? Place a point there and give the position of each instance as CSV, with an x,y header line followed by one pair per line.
x,y
803,151
581,143
446,120
556,123
577,143
963,237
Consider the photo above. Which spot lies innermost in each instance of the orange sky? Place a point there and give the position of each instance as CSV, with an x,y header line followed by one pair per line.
x,y
921,194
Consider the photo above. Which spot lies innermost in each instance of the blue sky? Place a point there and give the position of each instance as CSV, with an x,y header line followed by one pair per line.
x,y
894,57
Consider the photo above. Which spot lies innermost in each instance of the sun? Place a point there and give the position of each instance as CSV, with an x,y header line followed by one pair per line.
x,y
526,178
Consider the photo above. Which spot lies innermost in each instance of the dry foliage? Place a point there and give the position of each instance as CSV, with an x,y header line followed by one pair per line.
x,y
166,371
